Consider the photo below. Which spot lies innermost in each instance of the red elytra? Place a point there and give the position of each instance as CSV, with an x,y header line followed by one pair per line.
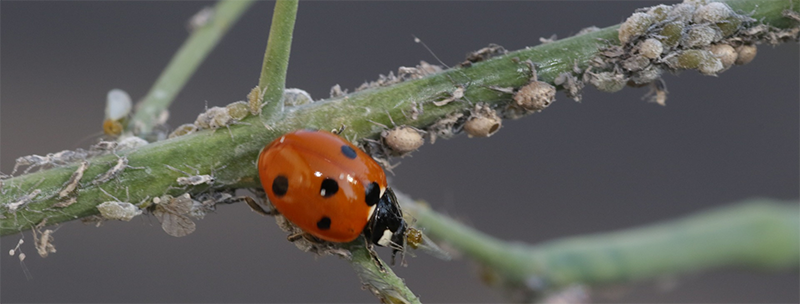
x,y
328,187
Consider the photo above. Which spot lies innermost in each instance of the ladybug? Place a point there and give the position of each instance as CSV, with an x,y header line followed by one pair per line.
x,y
331,189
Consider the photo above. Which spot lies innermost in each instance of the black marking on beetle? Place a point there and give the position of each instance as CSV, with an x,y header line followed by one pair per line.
x,y
280,185
324,223
329,187
373,194
349,152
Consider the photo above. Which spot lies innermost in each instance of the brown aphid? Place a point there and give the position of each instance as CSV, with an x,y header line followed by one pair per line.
x,y
484,54
746,53
483,122
171,212
403,139
536,95
74,181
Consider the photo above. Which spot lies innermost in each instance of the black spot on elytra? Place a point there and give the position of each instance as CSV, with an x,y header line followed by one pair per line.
x,y
349,152
280,185
329,187
324,223
373,194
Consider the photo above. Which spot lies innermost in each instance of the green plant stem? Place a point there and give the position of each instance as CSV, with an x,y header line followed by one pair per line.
x,y
209,150
385,285
276,57
185,62
758,233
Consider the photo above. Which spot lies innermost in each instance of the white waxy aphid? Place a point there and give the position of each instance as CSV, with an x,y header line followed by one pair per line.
x,y
651,48
636,25
295,97
131,142
23,201
118,104
122,211
171,212
192,180
51,159
74,181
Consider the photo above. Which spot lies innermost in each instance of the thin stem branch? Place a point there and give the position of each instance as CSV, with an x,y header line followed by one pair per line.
x,y
185,62
384,284
276,56
758,233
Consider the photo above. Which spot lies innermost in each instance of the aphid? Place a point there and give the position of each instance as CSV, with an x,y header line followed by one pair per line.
x,y
122,163
51,159
131,142
421,70
651,48
122,211
419,241
74,181
636,25
238,110
484,54
746,53
726,54
483,122
171,212
296,97
117,210
200,19
192,180
184,129
255,100
532,97
401,140
118,106
23,201
336,91
215,118
104,146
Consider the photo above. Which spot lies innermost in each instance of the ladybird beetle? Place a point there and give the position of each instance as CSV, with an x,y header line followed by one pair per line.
x,y
331,189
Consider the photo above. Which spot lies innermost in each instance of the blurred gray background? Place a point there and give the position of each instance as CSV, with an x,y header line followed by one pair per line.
x,y
610,162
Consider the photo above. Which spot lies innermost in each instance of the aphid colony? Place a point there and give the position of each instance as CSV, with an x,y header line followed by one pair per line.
x,y
705,36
